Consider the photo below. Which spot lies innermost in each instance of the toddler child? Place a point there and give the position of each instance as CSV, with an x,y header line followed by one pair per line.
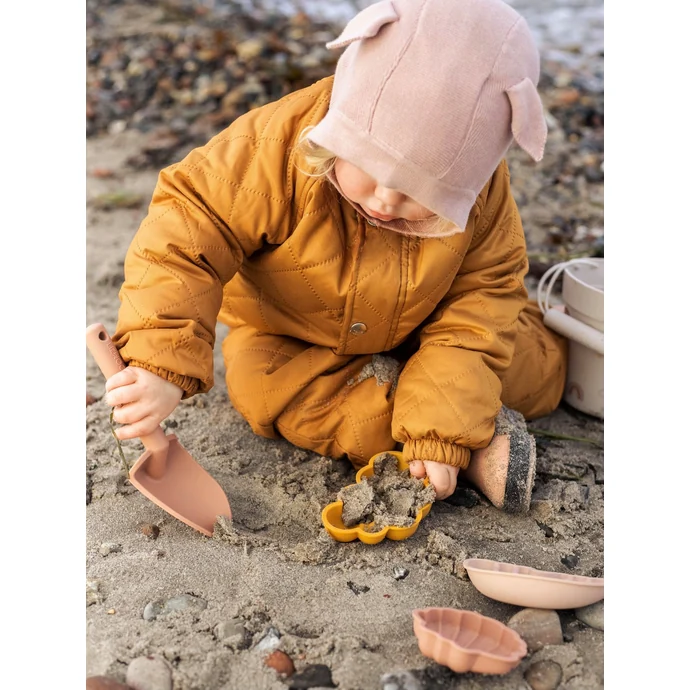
x,y
360,240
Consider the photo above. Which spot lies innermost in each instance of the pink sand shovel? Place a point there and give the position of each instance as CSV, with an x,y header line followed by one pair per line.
x,y
166,473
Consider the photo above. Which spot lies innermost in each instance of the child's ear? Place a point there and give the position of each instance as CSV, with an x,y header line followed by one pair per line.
x,y
366,24
528,123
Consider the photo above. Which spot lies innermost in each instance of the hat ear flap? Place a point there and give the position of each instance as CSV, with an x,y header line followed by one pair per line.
x,y
528,124
366,24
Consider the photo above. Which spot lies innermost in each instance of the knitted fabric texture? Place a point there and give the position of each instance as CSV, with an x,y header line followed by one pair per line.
x,y
428,97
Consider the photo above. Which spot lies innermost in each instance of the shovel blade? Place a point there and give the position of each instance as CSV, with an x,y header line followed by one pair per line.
x,y
186,490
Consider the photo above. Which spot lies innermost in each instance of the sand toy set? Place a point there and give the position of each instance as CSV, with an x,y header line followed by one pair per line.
x,y
467,641
385,502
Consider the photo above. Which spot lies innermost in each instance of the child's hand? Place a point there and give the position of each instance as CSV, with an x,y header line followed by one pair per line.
x,y
441,476
142,400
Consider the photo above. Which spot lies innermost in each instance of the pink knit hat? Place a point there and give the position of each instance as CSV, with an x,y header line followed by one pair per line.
x,y
429,95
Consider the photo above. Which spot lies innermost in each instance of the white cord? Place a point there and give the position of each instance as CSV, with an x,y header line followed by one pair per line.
x,y
554,273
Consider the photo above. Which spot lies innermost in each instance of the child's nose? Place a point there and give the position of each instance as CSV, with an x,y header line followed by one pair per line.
x,y
388,196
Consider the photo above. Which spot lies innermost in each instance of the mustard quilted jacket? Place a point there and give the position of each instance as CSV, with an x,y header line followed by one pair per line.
x,y
235,231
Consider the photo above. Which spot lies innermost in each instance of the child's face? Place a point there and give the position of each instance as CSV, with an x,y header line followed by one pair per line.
x,y
379,202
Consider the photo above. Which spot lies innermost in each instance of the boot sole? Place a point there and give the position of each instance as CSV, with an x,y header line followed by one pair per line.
x,y
521,473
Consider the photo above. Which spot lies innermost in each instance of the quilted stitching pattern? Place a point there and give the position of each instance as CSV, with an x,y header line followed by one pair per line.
x,y
469,341
235,231
208,212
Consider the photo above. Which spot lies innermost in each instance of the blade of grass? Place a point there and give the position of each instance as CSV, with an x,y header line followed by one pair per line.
x,y
563,437
119,445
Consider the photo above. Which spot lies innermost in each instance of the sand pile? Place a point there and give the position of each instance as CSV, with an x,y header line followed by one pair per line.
x,y
389,498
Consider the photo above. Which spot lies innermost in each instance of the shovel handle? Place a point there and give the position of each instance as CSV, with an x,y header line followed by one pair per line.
x,y
109,361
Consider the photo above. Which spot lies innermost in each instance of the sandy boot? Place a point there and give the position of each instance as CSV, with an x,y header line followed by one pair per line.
x,y
504,470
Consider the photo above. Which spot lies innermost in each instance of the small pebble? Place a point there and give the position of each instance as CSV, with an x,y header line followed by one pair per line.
x,y
544,675
403,680
117,127
105,683
592,615
315,676
102,173
93,593
249,49
232,634
537,627
161,607
149,530
109,547
90,400
570,561
400,573
149,673
270,641
280,662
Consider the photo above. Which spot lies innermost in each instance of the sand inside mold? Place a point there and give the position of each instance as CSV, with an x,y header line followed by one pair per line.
x,y
390,498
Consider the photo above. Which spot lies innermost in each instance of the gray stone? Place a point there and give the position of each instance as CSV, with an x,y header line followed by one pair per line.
x,y
182,602
314,676
232,633
592,615
537,627
544,675
400,573
93,592
109,547
402,680
149,673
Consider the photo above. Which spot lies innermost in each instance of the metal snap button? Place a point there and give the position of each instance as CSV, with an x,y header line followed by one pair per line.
x,y
358,328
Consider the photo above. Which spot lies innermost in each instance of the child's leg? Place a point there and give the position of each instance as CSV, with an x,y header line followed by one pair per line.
x,y
315,399
326,402
533,385
534,382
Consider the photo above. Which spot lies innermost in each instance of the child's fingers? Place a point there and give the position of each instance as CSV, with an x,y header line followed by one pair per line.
x,y
122,395
443,478
130,414
122,378
417,469
143,427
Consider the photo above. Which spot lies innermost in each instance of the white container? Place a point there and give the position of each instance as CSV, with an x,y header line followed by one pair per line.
x,y
582,322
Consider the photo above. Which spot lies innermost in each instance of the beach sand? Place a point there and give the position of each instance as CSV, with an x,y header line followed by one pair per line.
x,y
281,581
288,574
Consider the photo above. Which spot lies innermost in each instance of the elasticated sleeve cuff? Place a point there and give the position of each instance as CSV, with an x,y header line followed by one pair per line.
x,y
437,451
189,385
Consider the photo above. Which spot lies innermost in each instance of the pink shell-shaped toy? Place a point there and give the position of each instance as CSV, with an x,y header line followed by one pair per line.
x,y
528,587
467,641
